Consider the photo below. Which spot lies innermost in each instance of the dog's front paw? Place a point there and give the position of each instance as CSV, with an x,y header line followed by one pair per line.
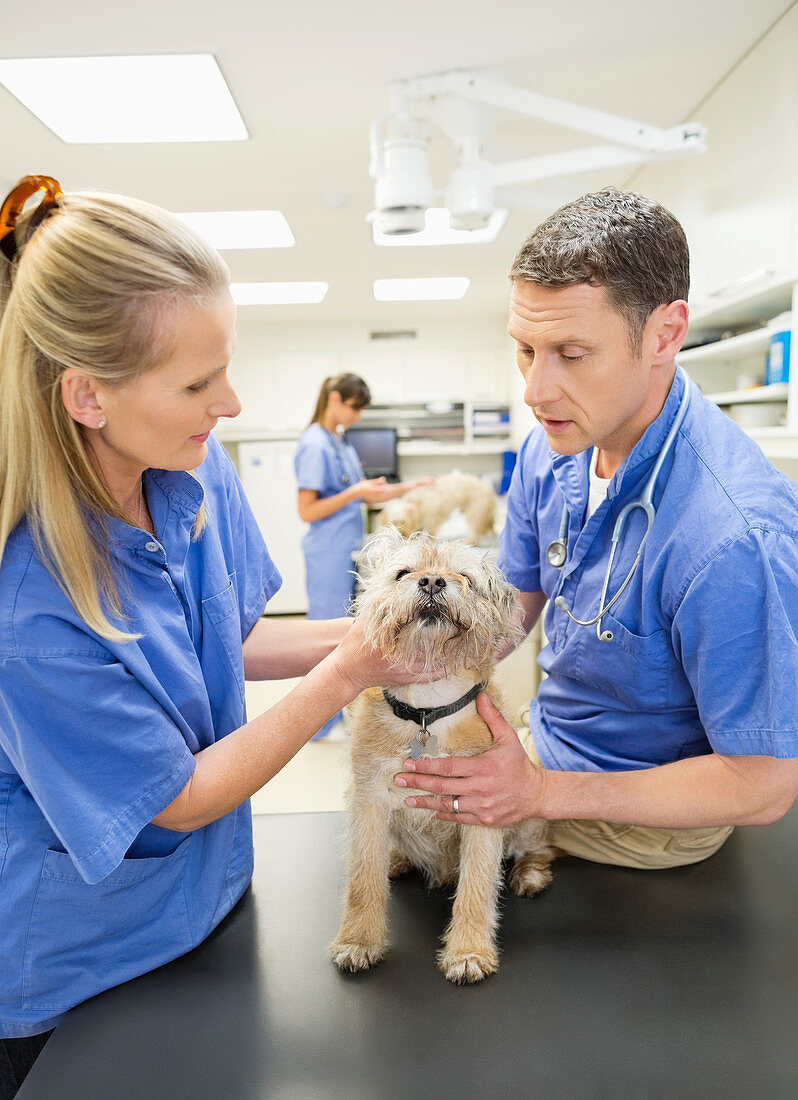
x,y
472,967
357,956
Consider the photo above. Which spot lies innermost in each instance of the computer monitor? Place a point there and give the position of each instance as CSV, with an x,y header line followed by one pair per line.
x,y
376,448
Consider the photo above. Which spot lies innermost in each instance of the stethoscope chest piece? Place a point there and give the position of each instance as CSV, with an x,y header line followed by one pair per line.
x,y
557,553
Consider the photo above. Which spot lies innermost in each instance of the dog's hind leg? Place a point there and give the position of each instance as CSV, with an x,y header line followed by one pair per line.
x,y
527,844
362,939
531,873
399,864
469,951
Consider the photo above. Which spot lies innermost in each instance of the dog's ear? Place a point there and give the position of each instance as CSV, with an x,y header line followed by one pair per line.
x,y
378,548
503,599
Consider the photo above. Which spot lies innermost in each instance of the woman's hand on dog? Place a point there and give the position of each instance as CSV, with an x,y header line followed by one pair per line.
x,y
497,788
361,666
377,490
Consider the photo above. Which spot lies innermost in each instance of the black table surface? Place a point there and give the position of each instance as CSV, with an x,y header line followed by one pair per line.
x,y
613,983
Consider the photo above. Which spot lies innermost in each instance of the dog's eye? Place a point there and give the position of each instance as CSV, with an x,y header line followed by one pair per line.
x,y
469,580
402,573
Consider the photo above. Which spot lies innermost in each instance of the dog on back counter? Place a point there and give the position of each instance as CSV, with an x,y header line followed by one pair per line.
x,y
442,605
427,507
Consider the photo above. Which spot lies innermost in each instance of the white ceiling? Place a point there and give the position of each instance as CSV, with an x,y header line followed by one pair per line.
x,y
309,76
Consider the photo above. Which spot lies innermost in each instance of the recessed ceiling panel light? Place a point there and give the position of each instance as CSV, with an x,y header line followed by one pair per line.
x,y
242,228
437,231
92,100
277,294
419,290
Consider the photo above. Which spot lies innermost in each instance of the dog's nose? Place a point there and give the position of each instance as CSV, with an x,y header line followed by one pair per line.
x,y
432,584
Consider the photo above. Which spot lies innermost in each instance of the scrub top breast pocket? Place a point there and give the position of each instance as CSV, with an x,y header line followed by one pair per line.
x,y
222,630
633,668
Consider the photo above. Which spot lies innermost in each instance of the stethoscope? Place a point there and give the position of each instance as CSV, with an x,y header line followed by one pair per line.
x,y
557,551
339,446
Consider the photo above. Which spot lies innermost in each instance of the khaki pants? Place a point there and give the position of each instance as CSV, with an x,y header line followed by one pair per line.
x,y
637,846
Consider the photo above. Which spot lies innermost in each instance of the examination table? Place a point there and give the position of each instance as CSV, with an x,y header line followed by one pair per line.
x,y
613,983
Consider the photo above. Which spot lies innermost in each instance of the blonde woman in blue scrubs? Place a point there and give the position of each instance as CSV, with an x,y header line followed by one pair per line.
x,y
133,579
332,489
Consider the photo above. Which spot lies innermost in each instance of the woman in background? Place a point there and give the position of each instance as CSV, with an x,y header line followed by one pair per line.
x,y
332,489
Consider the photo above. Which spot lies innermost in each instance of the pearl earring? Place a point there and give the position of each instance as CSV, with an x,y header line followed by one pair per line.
x,y
101,423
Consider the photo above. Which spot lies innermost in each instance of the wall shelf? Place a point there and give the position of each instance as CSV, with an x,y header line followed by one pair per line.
x,y
428,448
755,395
732,336
733,347
417,428
745,307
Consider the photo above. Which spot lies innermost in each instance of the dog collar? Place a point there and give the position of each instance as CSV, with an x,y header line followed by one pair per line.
x,y
425,716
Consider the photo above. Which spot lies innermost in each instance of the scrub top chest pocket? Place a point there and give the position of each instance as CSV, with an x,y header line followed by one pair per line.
x,y
632,668
221,634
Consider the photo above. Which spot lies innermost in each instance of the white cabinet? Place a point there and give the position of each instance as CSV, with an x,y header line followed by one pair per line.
x,y
266,470
731,336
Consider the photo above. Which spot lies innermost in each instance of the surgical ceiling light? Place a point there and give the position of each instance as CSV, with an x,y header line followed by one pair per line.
x,y
437,231
463,107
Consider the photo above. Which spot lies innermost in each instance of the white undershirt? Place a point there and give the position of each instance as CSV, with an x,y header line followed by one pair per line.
x,y
598,486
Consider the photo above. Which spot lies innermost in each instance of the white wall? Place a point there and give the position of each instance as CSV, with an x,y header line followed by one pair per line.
x,y
738,202
278,371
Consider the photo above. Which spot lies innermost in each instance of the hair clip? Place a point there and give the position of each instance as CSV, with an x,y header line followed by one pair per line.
x,y
15,201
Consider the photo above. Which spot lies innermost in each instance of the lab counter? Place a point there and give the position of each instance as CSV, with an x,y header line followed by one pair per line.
x,y
660,984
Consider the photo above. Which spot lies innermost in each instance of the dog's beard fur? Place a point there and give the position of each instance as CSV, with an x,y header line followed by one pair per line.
x,y
456,626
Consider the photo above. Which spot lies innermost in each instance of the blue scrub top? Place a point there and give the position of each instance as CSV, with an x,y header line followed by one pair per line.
x,y
97,737
705,653
329,465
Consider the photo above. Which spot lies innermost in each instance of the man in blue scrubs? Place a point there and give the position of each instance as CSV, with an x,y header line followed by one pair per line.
x,y
675,716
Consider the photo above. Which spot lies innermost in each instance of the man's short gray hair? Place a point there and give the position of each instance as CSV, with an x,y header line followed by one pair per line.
x,y
616,239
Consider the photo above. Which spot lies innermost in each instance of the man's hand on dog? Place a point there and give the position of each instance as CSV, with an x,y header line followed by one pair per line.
x,y
497,788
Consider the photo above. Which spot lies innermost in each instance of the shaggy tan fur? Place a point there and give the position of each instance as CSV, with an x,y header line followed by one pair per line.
x,y
429,506
460,623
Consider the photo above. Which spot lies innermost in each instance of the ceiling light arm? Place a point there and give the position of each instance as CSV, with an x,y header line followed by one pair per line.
x,y
571,162
687,137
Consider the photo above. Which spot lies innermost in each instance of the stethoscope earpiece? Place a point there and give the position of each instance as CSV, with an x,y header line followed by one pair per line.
x,y
557,551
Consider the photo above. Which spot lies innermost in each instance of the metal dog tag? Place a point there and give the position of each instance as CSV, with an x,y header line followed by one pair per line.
x,y
424,748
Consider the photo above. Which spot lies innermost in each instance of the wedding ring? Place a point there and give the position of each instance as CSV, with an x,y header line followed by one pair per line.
x,y
456,803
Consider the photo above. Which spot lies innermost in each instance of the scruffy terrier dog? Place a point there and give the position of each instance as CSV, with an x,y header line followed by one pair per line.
x,y
441,604
429,506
